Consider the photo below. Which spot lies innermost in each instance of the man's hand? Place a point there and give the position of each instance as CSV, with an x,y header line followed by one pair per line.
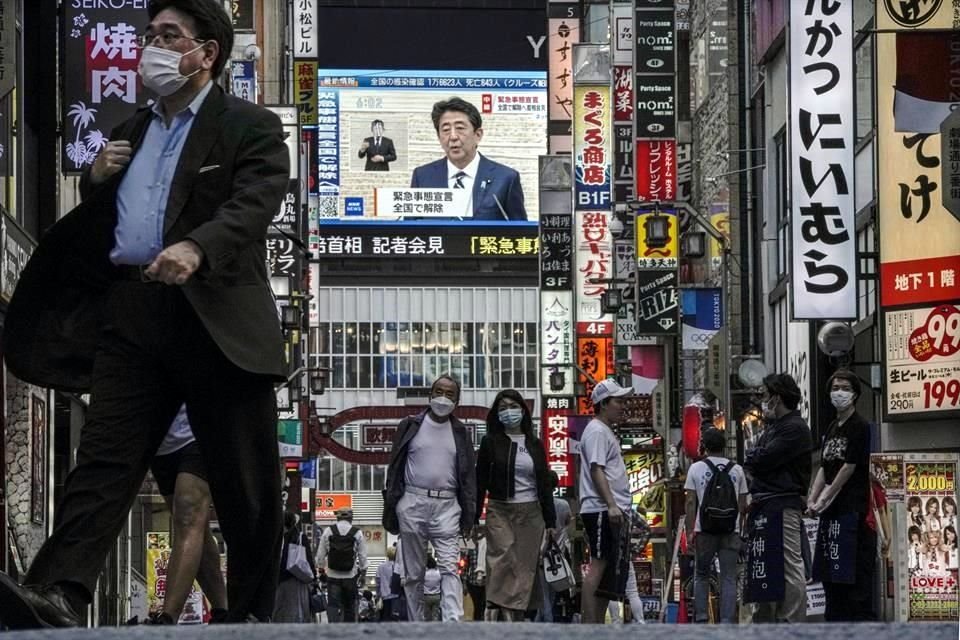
x,y
377,158
176,263
114,157
615,515
551,534
364,146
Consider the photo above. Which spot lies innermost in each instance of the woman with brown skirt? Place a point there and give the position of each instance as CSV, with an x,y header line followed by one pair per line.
x,y
512,468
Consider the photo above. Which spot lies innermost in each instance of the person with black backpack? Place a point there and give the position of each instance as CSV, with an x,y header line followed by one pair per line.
x,y
716,490
343,551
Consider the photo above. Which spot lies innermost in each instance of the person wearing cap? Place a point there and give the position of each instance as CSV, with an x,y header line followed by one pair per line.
x,y
778,475
604,499
430,496
342,583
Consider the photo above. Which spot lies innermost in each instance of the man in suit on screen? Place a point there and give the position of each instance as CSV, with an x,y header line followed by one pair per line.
x,y
495,189
377,149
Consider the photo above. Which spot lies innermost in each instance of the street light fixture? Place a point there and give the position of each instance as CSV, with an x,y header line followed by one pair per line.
x,y
693,244
558,380
317,386
611,300
656,229
291,317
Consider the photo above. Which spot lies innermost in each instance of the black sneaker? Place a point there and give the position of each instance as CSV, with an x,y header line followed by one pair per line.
x,y
159,618
218,616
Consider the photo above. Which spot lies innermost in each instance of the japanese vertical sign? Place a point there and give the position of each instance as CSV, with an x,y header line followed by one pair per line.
x,y
556,339
594,357
305,29
931,540
158,563
101,87
654,63
243,79
594,262
657,294
656,170
592,147
919,237
556,252
822,128
305,82
8,46
556,436
563,31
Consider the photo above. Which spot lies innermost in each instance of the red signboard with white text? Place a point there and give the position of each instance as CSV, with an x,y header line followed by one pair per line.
x,y
656,170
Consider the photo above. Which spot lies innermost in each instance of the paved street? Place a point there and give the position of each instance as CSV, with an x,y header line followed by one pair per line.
x,y
477,631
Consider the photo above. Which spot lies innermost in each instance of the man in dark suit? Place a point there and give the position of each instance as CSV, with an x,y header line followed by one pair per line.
x,y
496,193
162,299
377,149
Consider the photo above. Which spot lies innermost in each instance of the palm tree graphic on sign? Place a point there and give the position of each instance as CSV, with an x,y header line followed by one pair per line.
x,y
79,152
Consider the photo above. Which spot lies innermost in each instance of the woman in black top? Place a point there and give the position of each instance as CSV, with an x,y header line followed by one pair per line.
x,y
846,547
512,469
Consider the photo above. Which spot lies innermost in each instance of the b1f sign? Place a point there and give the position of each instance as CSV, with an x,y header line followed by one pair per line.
x,y
821,149
593,147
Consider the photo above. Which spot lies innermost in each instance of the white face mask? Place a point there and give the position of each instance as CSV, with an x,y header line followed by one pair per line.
x,y
441,406
160,70
841,399
511,417
767,408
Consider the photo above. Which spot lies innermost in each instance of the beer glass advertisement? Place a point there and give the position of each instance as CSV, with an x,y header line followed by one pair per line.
x,y
382,156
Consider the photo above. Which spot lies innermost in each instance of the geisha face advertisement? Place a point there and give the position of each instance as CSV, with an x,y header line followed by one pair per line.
x,y
932,540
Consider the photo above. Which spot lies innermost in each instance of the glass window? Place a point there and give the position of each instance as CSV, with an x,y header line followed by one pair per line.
x,y
339,482
506,338
531,337
351,337
364,373
417,373
863,62
379,477
336,375
365,338
366,478
404,333
418,338
323,474
467,337
377,337
531,372
338,337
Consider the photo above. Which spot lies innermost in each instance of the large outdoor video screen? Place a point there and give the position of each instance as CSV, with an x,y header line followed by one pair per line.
x,y
375,129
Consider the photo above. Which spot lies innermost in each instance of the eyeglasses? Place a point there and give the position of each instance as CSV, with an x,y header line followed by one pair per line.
x,y
166,38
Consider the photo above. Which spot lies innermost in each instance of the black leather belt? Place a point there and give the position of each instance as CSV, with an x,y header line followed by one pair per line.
x,y
134,273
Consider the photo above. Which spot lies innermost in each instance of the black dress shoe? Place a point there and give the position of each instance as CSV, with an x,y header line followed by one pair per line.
x,y
34,607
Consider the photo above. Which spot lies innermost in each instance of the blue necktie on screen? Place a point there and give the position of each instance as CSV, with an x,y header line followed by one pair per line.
x,y
458,180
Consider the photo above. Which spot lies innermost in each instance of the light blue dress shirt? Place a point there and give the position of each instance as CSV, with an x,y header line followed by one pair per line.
x,y
145,189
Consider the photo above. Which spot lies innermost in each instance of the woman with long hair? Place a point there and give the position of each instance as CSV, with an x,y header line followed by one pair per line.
x,y
512,469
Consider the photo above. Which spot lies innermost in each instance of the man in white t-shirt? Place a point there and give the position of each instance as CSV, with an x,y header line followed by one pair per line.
x,y
604,501
181,478
725,546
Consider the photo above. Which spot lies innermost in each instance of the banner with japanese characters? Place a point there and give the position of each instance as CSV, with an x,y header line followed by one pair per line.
x,y
823,282
594,358
158,562
563,31
646,473
556,341
931,539
594,249
923,361
305,29
556,437
592,147
101,87
919,237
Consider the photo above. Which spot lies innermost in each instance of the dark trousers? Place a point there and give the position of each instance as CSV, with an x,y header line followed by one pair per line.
x,y
478,594
154,354
341,599
854,602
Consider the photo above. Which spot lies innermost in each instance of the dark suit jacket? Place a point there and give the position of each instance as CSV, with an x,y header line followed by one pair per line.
x,y
54,319
385,149
495,183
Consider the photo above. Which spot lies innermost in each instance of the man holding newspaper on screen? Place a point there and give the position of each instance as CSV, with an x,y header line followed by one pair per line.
x,y
495,191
